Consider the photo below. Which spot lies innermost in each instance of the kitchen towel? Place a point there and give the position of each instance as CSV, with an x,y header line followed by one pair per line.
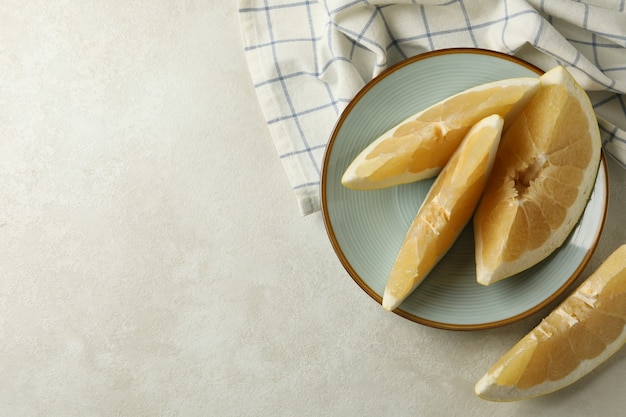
x,y
307,59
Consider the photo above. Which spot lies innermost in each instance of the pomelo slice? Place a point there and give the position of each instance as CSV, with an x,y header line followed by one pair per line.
x,y
445,211
574,339
542,178
420,146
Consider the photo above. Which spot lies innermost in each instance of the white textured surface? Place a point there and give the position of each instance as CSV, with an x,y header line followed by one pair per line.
x,y
152,258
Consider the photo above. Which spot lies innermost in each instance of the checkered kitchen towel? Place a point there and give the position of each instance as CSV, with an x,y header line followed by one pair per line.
x,y
308,58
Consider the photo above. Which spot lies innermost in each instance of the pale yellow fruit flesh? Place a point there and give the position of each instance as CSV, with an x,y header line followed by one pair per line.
x,y
445,211
579,335
421,145
542,178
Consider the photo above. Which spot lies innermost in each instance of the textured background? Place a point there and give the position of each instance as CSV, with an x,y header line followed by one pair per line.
x,y
153,261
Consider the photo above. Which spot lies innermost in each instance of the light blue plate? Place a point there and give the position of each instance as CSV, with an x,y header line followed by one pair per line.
x,y
366,228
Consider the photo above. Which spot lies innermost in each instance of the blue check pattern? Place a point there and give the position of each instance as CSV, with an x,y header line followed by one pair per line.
x,y
308,58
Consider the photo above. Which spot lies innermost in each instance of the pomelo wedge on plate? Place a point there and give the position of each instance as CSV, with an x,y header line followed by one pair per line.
x,y
445,211
420,146
543,175
574,339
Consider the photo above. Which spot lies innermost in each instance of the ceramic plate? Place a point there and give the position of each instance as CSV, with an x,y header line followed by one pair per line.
x,y
366,228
